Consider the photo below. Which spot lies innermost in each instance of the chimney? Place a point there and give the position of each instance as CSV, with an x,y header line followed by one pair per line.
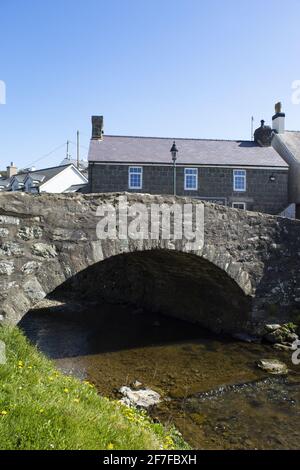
x,y
97,127
263,135
12,170
279,119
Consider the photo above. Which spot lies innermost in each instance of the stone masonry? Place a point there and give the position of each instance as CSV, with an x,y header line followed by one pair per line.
x,y
262,194
246,274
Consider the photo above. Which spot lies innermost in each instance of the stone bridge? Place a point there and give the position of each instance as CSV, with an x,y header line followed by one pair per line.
x,y
246,274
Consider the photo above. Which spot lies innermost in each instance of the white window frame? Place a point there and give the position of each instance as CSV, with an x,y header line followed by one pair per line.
x,y
185,178
236,175
237,203
140,173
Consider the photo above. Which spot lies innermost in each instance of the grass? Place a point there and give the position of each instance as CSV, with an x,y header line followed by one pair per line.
x,y
42,409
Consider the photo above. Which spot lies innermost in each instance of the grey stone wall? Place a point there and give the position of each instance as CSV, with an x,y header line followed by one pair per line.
x,y
246,274
262,195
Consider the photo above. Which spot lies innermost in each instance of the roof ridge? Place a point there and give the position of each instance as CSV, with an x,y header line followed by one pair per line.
x,y
177,138
43,169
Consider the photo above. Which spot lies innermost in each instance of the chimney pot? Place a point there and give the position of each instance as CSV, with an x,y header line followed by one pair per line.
x,y
278,119
263,135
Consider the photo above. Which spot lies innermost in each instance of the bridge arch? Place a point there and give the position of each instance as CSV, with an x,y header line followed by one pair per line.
x,y
46,240
170,282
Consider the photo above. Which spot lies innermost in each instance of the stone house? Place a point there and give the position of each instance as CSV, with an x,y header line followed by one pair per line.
x,y
287,144
240,174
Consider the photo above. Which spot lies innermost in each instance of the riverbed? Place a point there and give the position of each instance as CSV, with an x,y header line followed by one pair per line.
x,y
212,390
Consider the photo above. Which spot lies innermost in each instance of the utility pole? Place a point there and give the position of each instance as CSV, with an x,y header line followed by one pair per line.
x,y
252,128
78,150
68,145
174,152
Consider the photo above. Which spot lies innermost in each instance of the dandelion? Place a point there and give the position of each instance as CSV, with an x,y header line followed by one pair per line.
x,y
20,363
86,382
168,443
4,412
30,367
50,379
66,390
110,446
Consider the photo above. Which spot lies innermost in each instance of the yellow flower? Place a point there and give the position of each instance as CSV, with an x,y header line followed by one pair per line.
x,y
4,412
50,379
110,446
168,443
86,382
66,390
42,410
20,363
76,400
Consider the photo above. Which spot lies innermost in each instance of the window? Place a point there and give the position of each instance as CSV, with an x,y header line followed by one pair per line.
x,y
135,177
239,180
190,179
239,205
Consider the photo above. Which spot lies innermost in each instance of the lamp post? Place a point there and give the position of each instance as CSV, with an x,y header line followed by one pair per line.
x,y
174,151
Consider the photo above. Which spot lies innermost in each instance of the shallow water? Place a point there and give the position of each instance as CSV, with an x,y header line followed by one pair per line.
x,y
213,392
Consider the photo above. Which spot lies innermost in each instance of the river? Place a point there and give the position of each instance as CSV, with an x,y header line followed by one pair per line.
x,y
213,391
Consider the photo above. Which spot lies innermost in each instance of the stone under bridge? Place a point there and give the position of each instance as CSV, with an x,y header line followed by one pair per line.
x,y
246,274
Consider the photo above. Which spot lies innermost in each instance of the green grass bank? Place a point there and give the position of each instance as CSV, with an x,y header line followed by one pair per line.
x,y
42,409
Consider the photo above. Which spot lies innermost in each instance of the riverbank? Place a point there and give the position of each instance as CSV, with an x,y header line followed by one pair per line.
x,y
42,409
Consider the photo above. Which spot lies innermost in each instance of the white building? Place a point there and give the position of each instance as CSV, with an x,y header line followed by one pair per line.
x,y
59,179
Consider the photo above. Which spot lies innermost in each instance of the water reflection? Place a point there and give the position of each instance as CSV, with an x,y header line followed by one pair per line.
x,y
213,391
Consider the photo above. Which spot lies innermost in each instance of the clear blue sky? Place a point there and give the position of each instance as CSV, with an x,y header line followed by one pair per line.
x,y
182,68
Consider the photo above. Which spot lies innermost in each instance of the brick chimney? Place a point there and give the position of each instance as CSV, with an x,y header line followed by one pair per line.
x,y
97,127
12,170
279,119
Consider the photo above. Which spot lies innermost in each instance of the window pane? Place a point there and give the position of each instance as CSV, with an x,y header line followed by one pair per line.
x,y
190,178
135,177
239,180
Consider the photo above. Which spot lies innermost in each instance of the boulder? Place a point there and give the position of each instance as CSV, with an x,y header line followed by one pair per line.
x,y
283,334
283,347
273,366
271,328
139,398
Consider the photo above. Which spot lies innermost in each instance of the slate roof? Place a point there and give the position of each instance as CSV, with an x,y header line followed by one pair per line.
x,y
42,175
156,150
83,164
291,139
4,182
75,188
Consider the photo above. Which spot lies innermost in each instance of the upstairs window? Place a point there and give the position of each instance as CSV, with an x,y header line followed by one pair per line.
x,y
190,179
239,180
135,177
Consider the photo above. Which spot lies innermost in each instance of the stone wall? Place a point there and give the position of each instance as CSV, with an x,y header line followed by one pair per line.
x,y
246,274
262,195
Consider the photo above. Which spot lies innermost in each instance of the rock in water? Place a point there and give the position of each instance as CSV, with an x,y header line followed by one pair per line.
x,y
273,366
271,328
139,398
283,347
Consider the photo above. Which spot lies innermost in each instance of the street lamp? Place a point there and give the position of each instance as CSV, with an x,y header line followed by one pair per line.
x,y
174,151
